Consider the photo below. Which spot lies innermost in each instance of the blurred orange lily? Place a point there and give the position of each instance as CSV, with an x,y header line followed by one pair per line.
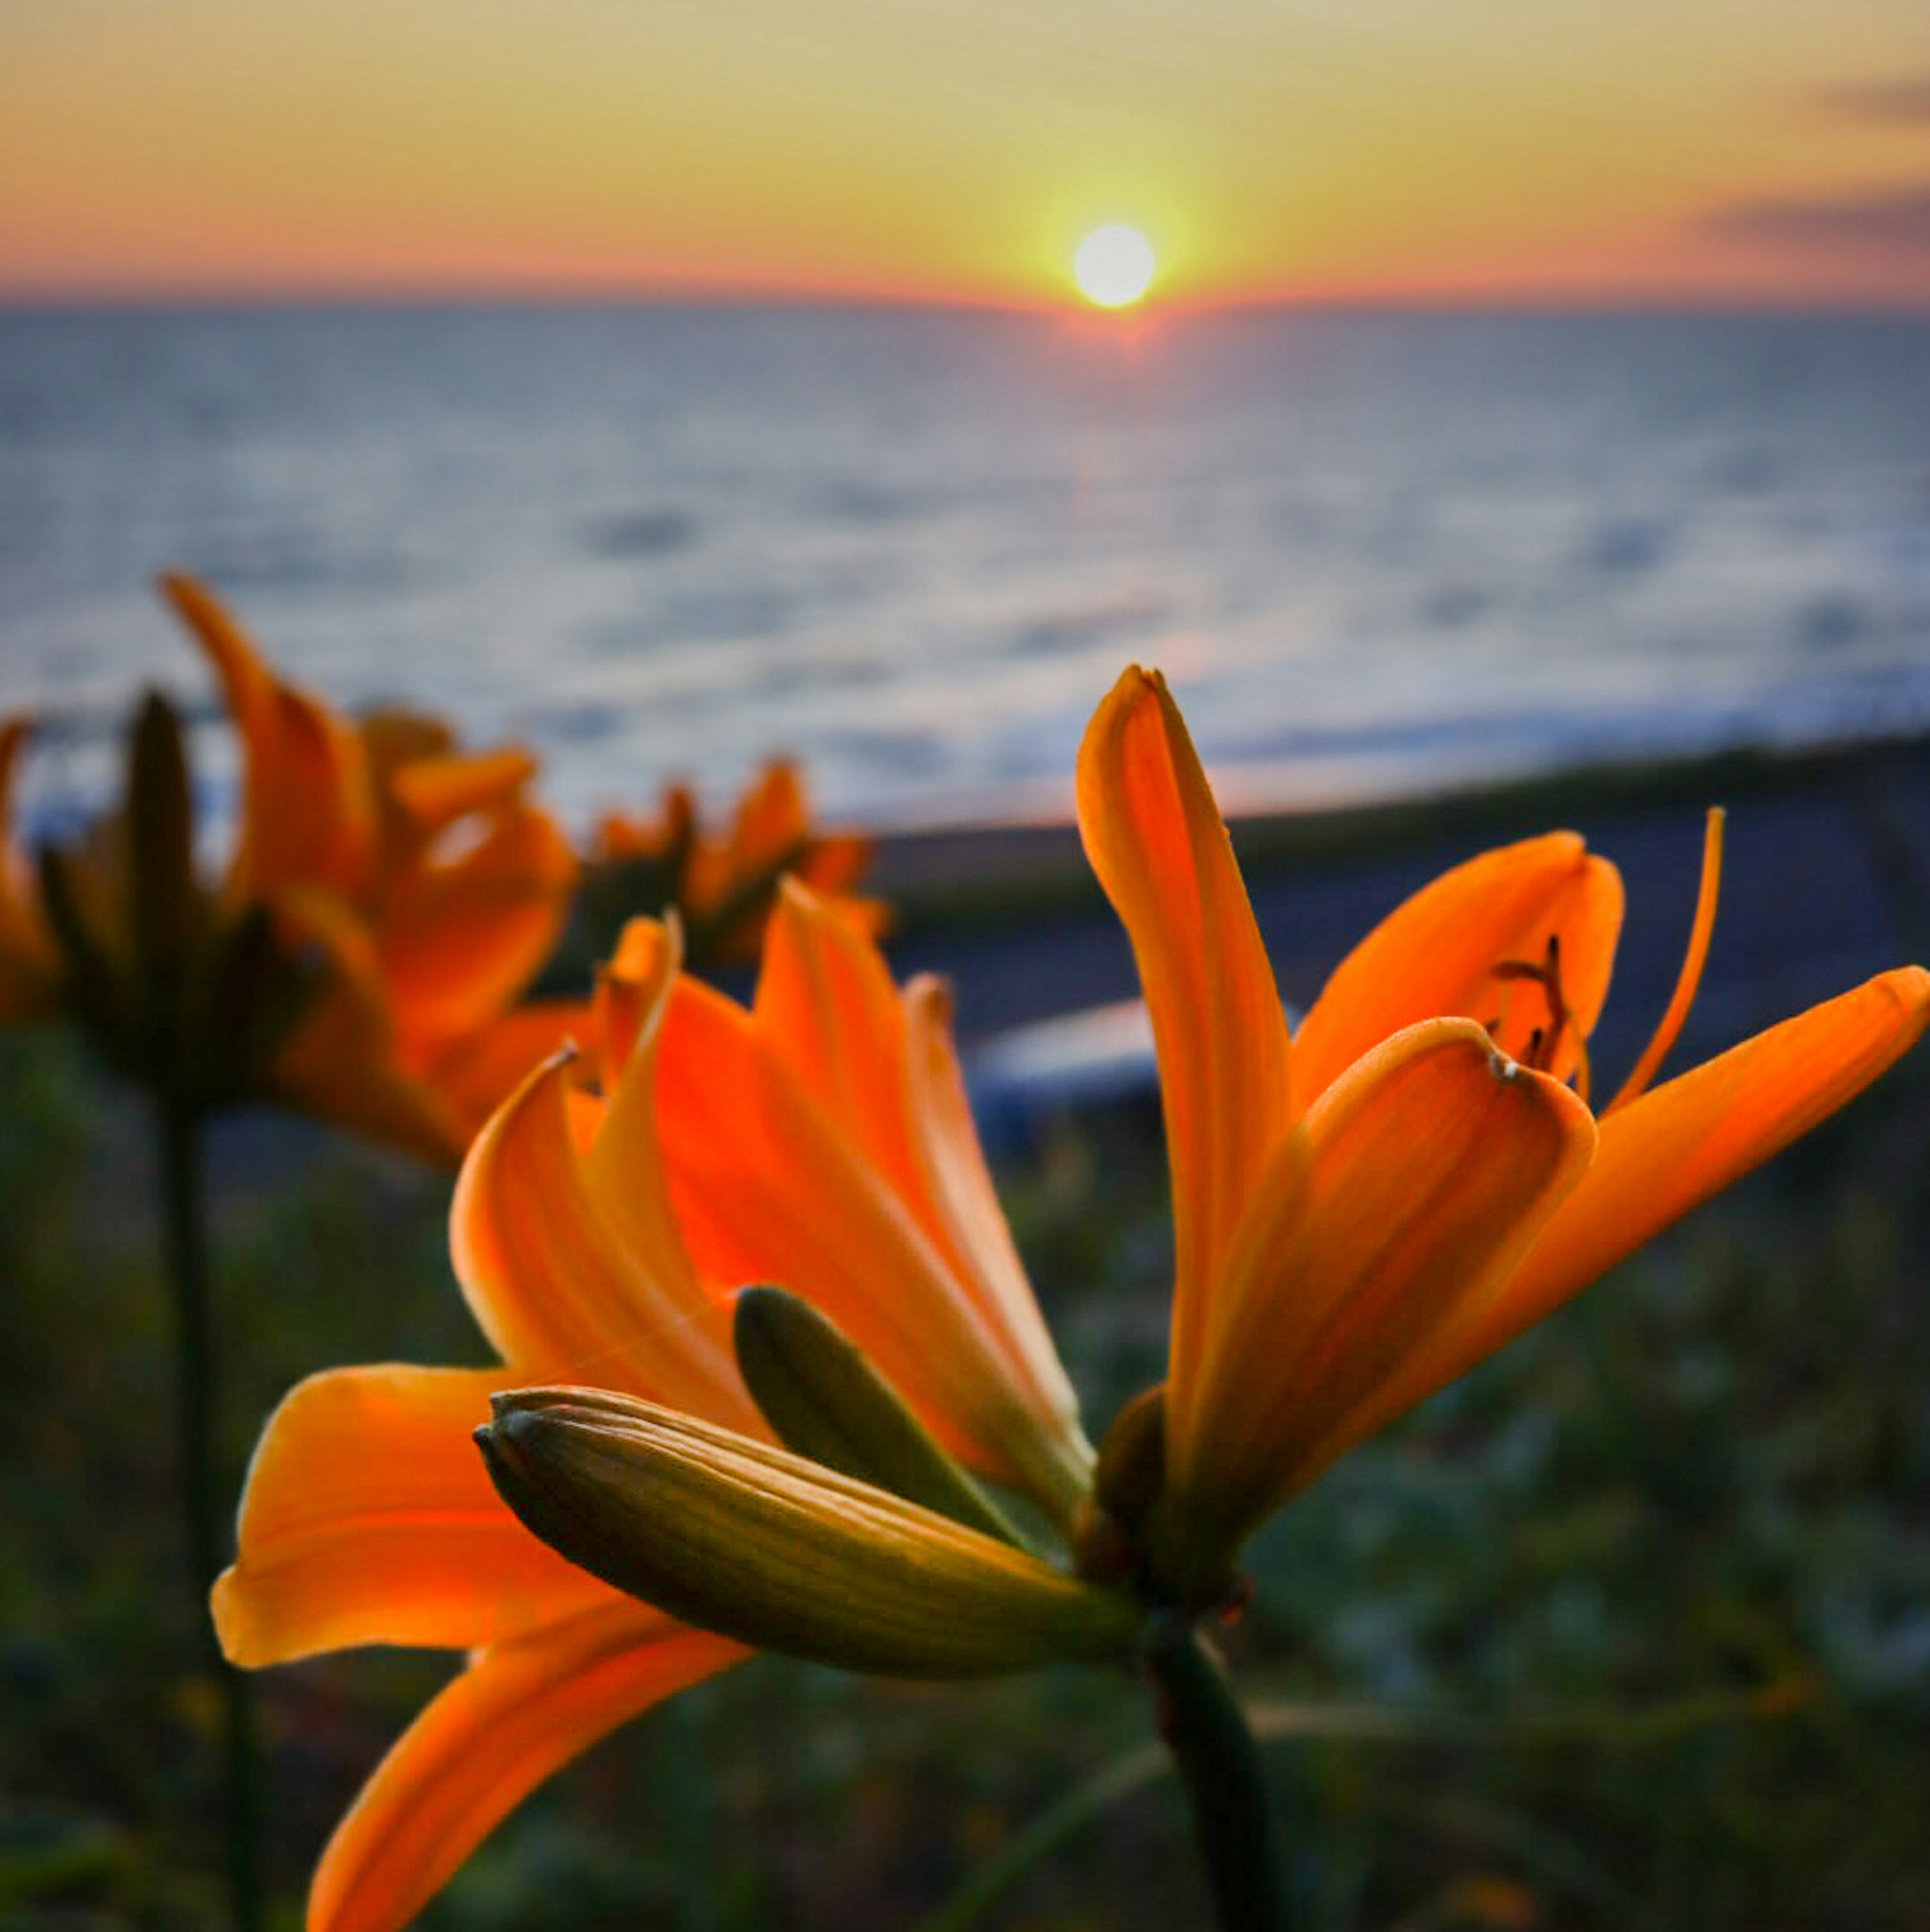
x,y
429,878
368,1517
723,885
1365,1209
29,963
410,891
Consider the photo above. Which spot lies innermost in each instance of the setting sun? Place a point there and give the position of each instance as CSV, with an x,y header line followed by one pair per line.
x,y
1113,265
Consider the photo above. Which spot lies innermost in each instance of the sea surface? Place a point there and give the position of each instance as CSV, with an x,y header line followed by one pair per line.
x,y
1374,554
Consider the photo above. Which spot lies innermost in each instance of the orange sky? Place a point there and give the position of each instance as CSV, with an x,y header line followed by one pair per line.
x,y
1538,150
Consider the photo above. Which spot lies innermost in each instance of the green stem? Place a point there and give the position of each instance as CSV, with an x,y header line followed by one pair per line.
x,y
1220,1768
1623,1727
182,1197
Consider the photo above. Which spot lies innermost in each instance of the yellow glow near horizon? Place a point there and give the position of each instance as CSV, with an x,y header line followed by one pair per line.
x,y
957,150
1113,265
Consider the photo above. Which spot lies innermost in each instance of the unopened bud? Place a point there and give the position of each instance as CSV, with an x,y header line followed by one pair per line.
x,y
756,1543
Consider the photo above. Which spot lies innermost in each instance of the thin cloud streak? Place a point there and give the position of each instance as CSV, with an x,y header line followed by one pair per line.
x,y
1881,103
1895,219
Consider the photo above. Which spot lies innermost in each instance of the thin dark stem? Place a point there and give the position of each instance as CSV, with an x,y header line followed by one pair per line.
x,y
1220,1767
180,1132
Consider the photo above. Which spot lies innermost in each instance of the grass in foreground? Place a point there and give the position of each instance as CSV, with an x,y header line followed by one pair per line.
x,y
1709,1475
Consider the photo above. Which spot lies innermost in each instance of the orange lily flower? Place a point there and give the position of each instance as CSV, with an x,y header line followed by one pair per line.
x,y
434,882
1364,1211
411,889
368,1517
723,886
1360,1213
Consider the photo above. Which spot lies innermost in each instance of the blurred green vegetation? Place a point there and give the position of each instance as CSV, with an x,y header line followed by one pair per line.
x,y
1712,1471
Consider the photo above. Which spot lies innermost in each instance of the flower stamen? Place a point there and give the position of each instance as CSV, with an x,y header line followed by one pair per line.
x,y
1690,977
1544,1041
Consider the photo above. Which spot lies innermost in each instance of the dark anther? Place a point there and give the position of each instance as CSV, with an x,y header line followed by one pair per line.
x,y
1543,1042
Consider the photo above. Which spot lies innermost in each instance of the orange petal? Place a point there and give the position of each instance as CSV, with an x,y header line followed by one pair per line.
x,y
667,838
771,820
308,814
766,1189
521,1711
339,1063
394,736
555,1284
476,1075
459,940
1669,1151
623,1169
436,791
827,1008
884,1076
627,984
873,917
28,988
617,838
14,869
833,862
767,832
1156,840
1427,1171
963,1203
369,1518
1437,954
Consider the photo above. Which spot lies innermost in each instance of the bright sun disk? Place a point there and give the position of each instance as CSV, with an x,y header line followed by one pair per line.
x,y
1113,265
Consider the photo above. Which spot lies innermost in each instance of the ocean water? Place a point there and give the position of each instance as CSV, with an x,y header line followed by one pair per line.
x,y
1374,553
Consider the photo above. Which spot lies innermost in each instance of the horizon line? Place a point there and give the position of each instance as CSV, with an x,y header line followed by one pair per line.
x,y
1525,301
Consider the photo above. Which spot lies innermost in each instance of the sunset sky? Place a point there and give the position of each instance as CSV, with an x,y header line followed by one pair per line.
x,y
1490,150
